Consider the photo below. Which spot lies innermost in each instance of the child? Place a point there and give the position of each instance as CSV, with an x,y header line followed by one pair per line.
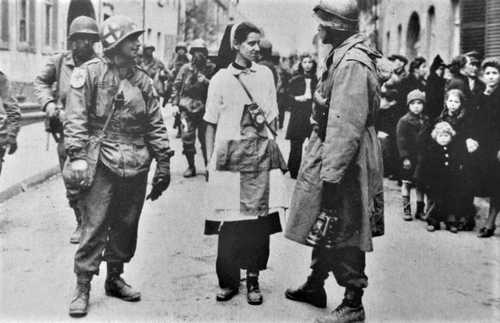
x,y
442,176
410,132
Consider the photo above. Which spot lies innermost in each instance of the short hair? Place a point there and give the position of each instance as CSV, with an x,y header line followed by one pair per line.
x,y
442,127
416,63
243,30
455,92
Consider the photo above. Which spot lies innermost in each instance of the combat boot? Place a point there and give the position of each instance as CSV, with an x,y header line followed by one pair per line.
x,y
420,212
80,301
349,311
311,292
254,296
191,170
115,286
406,208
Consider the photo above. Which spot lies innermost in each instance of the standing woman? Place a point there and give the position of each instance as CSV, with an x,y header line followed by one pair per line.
x,y
487,130
240,142
300,90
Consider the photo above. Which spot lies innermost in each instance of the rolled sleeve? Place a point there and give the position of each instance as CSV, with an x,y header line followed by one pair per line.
x,y
44,80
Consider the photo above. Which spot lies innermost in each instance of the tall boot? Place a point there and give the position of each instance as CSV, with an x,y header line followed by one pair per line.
x,y
406,208
115,286
80,301
75,236
350,310
312,291
419,214
191,170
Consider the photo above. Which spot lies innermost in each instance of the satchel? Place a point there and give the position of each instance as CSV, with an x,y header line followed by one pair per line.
x,y
93,150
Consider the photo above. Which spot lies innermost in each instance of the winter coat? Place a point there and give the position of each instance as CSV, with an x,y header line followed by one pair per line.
x,y
411,133
10,114
136,132
434,96
485,128
299,126
350,155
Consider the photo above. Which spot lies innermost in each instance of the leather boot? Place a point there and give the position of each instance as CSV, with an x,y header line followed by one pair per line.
x,y
350,310
80,301
419,214
311,292
115,286
406,208
191,170
254,296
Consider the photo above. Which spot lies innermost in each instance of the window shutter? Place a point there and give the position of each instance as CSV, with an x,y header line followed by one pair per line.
x,y
32,24
4,37
473,26
493,29
54,25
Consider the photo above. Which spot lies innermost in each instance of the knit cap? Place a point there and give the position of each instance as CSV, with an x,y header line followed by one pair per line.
x,y
415,95
442,127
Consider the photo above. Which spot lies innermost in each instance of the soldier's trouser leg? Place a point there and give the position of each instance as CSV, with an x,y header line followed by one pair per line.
x,y
109,199
200,128
188,134
347,265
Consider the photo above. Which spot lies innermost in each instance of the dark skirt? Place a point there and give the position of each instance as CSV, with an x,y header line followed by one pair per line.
x,y
245,243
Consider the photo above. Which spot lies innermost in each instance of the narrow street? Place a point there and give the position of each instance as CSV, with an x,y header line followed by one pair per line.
x,y
414,275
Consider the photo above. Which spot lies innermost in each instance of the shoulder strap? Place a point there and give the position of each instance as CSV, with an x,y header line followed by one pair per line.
x,y
244,87
117,97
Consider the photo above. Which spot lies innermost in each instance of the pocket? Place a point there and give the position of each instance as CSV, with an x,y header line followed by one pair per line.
x,y
104,98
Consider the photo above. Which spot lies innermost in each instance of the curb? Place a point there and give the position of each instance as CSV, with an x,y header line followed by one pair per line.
x,y
24,185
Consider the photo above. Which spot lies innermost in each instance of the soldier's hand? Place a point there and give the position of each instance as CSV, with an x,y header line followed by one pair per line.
x,y
406,164
12,147
80,168
51,110
158,188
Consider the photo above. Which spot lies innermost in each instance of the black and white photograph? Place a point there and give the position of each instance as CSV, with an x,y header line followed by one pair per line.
x,y
327,161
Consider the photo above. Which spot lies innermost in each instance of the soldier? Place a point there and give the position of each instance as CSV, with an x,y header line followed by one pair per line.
x,y
191,85
342,169
10,116
52,87
154,68
112,106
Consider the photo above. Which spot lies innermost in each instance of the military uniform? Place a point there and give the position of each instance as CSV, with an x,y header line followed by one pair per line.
x,y
192,95
136,134
10,116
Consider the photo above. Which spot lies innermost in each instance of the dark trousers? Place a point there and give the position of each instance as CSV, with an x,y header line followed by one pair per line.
x,y
194,125
295,157
347,265
110,217
241,246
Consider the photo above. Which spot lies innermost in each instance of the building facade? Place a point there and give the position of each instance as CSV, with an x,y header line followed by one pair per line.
x,y
430,27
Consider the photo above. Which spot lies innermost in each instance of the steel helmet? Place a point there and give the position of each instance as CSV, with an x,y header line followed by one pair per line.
x,y
115,29
181,45
198,44
83,25
337,14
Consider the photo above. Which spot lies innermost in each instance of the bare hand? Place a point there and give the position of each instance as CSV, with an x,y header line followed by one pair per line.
x,y
472,145
51,110
406,164
300,98
202,78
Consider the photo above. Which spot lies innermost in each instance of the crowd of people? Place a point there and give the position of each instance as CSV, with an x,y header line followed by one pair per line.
x,y
440,133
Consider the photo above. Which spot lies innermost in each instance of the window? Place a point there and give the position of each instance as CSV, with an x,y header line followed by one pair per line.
x,y
4,25
26,25
50,25
158,43
431,15
400,39
387,43
148,35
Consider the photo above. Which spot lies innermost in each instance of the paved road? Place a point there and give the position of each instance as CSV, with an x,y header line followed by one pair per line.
x,y
414,275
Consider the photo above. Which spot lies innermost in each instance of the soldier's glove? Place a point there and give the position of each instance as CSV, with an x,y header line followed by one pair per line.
x,y
76,174
161,180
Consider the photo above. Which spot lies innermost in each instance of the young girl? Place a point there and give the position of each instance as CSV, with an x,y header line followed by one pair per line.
x,y
410,132
300,90
442,176
240,113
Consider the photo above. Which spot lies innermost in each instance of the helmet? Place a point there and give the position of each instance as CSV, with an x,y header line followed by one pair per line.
x,y
181,45
84,25
198,44
337,14
115,29
148,46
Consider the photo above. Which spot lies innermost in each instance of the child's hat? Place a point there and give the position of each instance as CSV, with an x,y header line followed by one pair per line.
x,y
442,127
415,95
